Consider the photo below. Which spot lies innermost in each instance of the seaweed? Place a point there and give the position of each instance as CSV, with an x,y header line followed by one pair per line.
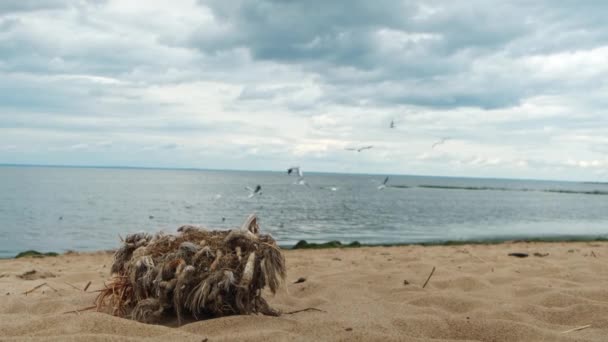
x,y
35,254
197,273
303,244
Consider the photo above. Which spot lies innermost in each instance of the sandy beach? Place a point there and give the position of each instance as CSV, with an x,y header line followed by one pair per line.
x,y
477,293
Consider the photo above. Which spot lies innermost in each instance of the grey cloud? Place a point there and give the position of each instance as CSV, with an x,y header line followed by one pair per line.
x,y
12,7
324,36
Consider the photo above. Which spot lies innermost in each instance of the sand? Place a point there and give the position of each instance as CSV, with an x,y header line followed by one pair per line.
x,y
477,293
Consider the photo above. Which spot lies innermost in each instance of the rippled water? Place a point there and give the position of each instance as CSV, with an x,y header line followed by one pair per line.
x,y
56,209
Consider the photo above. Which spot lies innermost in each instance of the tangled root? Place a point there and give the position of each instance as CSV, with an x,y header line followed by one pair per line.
x,y
196,272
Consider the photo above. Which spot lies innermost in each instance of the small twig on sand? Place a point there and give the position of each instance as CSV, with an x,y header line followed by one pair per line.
x,y
34,289
307,309
39,286
577,329
80,310
87,287
50,287
429,278
73,286
593,254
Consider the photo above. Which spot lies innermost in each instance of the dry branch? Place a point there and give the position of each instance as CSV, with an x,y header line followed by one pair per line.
x,y
429,278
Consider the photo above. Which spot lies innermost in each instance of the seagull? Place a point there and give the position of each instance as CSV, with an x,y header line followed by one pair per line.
x,y
383,185
359,149
253,192
330,188
392,124
440,142
297,170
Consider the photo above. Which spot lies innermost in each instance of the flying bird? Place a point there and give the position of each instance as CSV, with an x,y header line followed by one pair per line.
x,y
383,185
359,149
440,142
253,192
297,170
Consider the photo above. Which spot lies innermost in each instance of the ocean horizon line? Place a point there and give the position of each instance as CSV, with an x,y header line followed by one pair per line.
x,y
128,167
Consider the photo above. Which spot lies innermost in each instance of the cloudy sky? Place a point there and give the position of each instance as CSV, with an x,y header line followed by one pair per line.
x,y
520,87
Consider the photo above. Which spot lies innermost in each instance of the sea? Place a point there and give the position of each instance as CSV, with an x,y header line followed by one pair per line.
x,y
87,209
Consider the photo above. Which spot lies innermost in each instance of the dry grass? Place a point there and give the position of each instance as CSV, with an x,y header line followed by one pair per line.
x,y
197,272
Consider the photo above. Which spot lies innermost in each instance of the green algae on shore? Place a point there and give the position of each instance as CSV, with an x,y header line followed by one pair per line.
x,y
35,254
303,244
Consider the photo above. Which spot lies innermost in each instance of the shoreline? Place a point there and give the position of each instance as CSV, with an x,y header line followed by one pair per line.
x,y
356,244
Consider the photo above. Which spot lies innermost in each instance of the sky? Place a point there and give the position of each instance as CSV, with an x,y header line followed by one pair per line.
x,y
518,87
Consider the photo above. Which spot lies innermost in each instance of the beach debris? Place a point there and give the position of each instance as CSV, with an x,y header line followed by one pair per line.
x,y
87,286
405,282
302,310
300,280
197,273
519,255
577,329
429,278
541,255
593,254
349,329
39,286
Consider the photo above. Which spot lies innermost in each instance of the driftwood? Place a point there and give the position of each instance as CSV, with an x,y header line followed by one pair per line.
x,y
199,273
